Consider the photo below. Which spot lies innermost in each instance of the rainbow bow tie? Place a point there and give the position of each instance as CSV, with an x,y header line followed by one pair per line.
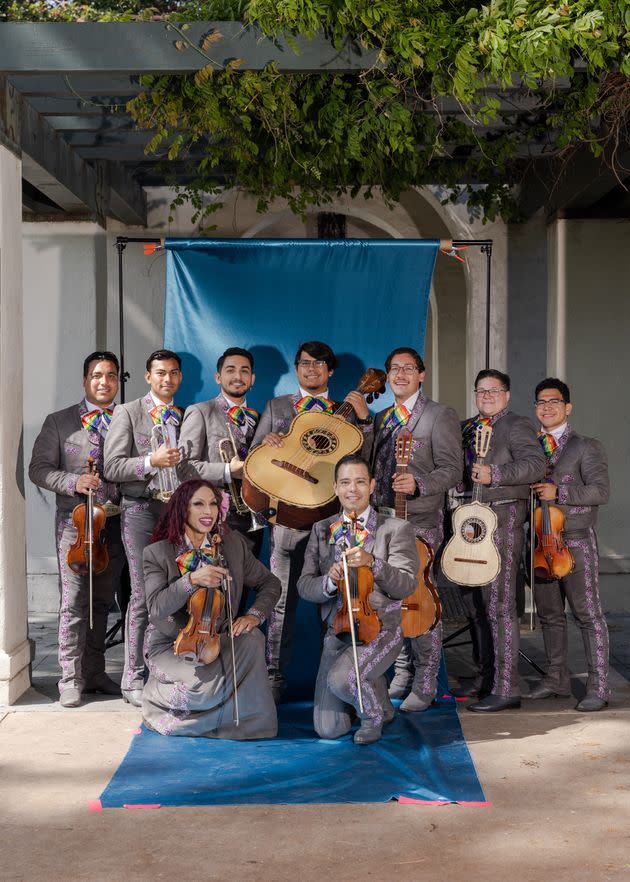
x,y
242,415
395,416
191,560
95,419
341,530
166,413
547,442
309,403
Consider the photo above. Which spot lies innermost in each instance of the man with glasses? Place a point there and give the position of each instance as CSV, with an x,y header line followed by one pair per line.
x,y
435,467
315,363
58,463
514,461
577,481
130,460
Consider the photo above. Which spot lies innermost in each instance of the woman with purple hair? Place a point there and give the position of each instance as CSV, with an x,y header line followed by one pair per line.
x,y
190,698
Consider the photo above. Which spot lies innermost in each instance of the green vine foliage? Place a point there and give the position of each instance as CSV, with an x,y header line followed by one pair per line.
x,y
438,107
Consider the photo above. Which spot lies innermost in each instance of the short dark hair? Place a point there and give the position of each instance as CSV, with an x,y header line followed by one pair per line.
x,y
235,350
100,355
405,350
163,355
320,351
496,375
554,383
353,459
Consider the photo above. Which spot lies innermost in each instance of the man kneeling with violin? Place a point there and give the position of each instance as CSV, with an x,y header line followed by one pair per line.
x,y
367,563
577,482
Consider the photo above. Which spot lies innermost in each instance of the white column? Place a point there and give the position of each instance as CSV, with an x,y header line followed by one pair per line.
x,y
557,299
15,654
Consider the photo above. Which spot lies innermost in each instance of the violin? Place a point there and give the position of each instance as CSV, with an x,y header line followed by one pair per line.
x,y
199,640
552,559
88,554
359,620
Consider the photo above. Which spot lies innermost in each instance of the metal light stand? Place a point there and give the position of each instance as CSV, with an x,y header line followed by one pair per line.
x,y
121,244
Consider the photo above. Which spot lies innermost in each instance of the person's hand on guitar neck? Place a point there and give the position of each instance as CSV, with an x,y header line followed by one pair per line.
x,y
481,474
274,439
404,482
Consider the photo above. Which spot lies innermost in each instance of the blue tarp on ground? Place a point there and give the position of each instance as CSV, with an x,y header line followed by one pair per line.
x,y
422,756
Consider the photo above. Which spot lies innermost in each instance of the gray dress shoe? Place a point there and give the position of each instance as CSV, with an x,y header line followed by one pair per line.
x,y
70,697
493,703
102,683
415,702
368,733
133,696
591,703
542,691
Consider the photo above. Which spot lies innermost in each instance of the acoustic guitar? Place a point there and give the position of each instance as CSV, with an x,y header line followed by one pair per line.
x,y
471,557
295,481
422,610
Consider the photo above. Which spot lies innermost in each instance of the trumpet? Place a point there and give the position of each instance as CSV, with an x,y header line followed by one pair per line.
x,y
227,451
161,434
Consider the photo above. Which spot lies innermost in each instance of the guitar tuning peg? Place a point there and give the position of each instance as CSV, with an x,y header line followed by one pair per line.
x,y
370,398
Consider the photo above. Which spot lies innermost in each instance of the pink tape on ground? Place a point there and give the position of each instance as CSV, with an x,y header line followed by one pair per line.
x,y
94,805
140,805
136,731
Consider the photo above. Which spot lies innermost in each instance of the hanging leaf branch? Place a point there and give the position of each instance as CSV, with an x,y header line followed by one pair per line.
x,y
546,76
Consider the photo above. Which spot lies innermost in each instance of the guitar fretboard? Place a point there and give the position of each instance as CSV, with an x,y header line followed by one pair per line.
x,y
400,499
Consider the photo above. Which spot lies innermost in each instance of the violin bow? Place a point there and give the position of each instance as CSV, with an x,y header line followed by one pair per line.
x,y
353,637
225,587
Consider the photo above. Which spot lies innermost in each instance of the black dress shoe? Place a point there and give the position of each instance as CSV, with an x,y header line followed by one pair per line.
x,y
103,683
492,703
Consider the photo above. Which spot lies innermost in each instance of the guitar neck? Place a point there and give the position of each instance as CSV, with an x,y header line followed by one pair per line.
x,y
400,499
477,488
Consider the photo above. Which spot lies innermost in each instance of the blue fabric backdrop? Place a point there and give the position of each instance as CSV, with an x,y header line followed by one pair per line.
x,y
362,297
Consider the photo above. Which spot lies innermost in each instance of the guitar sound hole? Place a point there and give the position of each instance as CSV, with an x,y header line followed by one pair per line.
x,y
473,530
319,441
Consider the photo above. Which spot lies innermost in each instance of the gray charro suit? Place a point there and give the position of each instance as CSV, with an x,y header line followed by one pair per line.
x,y
59,456
516,460
392,542
203,428
287,554
181,698
128,443
579,468
436,465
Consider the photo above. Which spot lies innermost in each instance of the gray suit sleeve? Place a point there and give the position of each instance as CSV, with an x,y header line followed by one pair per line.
x,y
44,469
397,575
119,466
446,444
529,463
594,473
193,439
311,583
163,598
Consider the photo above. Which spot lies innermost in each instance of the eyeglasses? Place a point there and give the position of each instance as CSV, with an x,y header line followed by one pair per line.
x,y
554,402
402,369
489,393
307,364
